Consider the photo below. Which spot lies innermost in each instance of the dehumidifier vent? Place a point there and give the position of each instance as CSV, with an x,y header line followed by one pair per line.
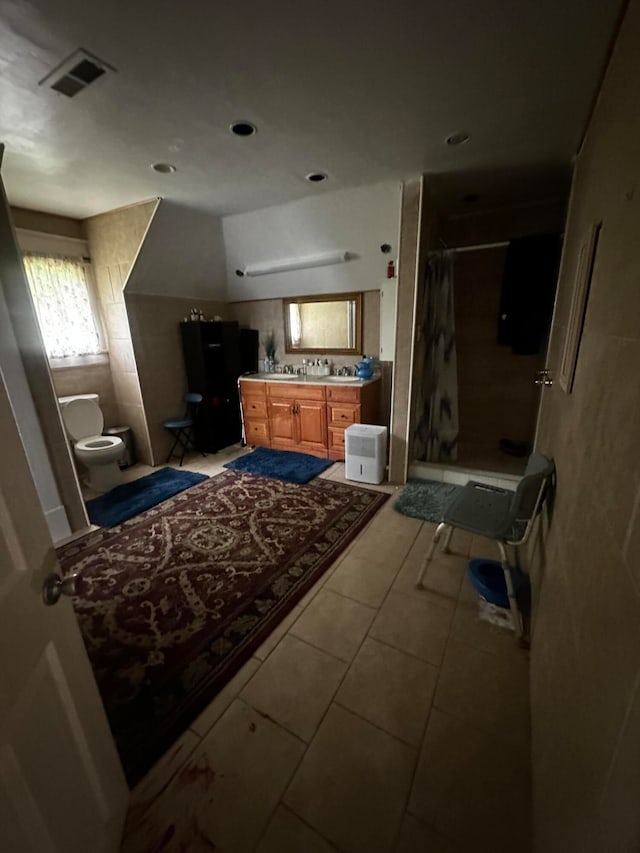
x,y
362,446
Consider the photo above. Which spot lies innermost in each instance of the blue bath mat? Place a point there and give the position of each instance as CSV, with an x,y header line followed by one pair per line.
x,y
135,497
280,465
425,499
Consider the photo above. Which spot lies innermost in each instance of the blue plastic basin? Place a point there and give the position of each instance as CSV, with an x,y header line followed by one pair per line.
x,y
487,578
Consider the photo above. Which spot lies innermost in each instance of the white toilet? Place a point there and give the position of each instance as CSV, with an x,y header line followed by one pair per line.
x,y
84,422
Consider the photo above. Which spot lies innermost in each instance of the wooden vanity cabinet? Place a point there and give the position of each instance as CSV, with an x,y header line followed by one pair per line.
x,y
308,418
253,397
346,406
297,417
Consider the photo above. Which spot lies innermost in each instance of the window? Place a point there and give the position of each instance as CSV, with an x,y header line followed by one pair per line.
x,y
63,302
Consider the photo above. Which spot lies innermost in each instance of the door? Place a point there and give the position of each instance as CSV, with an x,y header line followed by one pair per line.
x,y
282,423
62,789
312,426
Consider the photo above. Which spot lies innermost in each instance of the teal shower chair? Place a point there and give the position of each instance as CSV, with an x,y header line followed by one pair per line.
x,y
504,515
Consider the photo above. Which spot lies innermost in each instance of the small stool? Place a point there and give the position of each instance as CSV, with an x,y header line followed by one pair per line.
x,y
182,428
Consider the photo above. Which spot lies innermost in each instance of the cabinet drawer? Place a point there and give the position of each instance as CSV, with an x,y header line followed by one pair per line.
x,y
343,414
254,407
336,439
257,432
253,389
343,395
295,390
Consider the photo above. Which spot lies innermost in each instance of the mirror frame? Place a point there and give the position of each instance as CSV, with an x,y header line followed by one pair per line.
x,y
324,297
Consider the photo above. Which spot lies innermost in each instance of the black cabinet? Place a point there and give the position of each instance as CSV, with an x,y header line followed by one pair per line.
x,y
214,360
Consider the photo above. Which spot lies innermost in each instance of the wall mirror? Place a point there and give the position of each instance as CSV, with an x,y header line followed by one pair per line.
x,y
327,323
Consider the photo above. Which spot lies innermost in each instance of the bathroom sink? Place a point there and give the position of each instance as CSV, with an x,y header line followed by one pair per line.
x,y
341,379
280,377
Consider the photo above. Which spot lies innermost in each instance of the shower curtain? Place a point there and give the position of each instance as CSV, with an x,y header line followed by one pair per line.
x,y
436,403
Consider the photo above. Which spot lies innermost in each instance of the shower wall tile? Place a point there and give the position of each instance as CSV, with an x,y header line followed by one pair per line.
x,y
585,655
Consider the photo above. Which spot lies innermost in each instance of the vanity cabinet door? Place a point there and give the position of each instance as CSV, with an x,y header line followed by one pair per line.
x,y
311,420
282,424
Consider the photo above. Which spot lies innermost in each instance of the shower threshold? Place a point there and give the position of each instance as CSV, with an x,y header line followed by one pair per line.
x,y
458,475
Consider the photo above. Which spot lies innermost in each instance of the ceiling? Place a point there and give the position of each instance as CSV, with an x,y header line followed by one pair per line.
x,y
365,92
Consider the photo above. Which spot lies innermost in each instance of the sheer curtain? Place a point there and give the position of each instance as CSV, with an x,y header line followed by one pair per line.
x,y
436,433
63,304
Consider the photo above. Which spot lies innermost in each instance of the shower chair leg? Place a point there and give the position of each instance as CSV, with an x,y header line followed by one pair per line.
x,y
432,548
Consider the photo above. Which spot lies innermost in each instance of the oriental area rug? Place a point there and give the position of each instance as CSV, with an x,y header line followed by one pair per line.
x,y
172,602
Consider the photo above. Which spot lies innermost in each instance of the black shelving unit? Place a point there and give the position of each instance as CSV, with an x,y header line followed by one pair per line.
x,y
214,359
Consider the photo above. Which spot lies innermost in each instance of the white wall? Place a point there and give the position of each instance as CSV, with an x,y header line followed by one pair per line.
x,y
182,255
354,220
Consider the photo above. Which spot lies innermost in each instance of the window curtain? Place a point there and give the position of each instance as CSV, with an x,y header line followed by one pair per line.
x,y
63,305
436,432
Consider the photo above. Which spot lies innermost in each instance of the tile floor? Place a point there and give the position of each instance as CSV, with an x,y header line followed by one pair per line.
x,y
377,717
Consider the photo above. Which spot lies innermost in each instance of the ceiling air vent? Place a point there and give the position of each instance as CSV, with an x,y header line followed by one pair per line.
x,y
75,73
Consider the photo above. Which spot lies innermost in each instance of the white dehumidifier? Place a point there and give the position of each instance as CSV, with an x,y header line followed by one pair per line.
x,y
365,451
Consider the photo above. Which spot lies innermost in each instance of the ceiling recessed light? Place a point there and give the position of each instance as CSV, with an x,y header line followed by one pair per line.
x,y
316,177
243,128
458,138
164,168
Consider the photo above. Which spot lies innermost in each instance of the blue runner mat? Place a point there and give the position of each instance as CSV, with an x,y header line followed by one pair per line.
x,y
280,465
135,497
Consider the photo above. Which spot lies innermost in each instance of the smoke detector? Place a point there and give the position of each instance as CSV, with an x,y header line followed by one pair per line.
x,y
75,73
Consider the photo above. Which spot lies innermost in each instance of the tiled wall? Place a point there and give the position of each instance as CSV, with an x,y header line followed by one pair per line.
x,y
114,239
89,379
585,656
497,397
267,315
155,333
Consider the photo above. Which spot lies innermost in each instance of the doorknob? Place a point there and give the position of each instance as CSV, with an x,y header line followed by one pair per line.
x,y
55,586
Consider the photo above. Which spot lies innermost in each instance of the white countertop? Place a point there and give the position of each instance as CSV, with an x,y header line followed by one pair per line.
x,y
295,379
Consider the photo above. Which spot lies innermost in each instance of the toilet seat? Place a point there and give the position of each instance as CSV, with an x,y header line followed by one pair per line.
x,y
98,442
82,419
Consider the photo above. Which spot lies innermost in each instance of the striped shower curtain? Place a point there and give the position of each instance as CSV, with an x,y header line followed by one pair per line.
x,y
436,403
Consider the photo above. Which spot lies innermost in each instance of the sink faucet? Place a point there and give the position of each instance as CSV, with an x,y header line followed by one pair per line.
x,y
287,368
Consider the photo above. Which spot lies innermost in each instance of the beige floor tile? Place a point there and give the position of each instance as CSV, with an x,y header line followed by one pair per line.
x,y
295,686
226,793
415,837
490,689
335,624
225,697
468,786
468,626
443,576
263,651
391,689
308,597
157,779
364,579
416,625
384,546
288,834
352,784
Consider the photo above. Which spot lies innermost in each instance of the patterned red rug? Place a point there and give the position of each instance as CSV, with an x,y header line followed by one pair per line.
x,y
175,600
